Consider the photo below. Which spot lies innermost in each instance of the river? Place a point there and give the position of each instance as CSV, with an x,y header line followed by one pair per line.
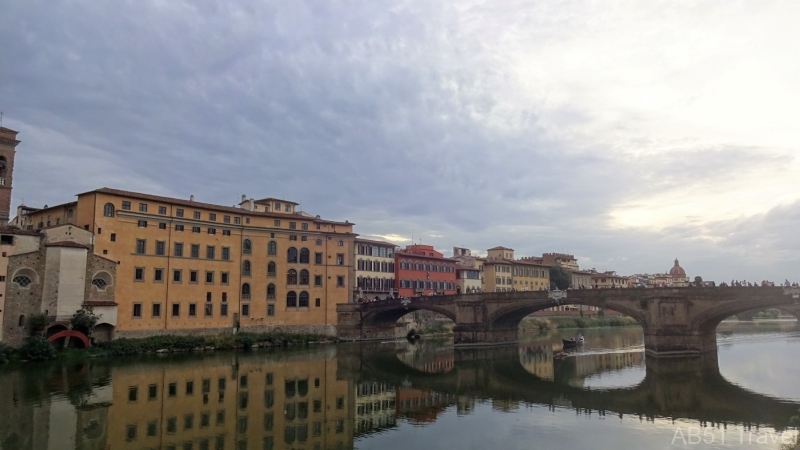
x,y
400,395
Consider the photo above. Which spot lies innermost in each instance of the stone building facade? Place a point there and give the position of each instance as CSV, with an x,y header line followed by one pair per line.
x,y
8,146
374,271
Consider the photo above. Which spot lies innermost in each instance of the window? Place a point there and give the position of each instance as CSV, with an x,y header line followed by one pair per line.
x,y
178,249
179,212
245,310
340,243
272,248
316,302
108,210
195,229
292,225
304,277
318,258
196,215
246,268
178,227
271,270
291,255
209,277
304,238
304,226
193,276
208,310
292,237
340,259
141,246
113,237
223,310
247,247
318,242
192,309
277,223
126,205
142,207
226,232
246,291
137,310
142,224
271,309
277,206
162,210
340,281
237,220
138,274
161,248
226,219
212,231
176,310
304,253
176,275
291,299
212,217
317,280
291,276
223,277
271,292
210,251
156,310
303,299
195,251
162,225
158,275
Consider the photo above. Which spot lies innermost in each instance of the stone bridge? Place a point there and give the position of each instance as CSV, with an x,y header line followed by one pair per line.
x,y
676,321
678,388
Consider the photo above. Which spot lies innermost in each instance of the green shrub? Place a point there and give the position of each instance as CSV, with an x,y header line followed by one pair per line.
x,y
6,354
37,323
36,348
84,320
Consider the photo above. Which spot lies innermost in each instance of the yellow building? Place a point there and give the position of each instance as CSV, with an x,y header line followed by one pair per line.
x,y
185,266
502,273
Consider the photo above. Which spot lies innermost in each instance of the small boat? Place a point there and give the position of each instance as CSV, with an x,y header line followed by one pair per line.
x,y
573,342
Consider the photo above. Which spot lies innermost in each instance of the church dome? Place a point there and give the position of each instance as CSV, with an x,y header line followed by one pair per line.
x,y
677,271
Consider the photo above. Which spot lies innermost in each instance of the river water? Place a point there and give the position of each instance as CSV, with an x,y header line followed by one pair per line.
x,y
400,395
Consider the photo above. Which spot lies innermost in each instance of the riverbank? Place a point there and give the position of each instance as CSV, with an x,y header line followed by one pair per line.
x,y
38,349
553,323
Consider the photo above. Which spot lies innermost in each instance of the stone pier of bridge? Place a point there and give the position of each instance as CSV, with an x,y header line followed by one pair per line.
x,y
675,321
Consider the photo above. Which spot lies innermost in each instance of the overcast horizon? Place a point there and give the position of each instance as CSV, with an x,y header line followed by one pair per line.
x,y
626,133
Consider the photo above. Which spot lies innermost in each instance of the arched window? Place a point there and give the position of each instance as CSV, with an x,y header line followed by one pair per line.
x,y
291,276
303,299
360,264
272,271
340,243
70,214
291,299
22,280
246,291
247,247
271,292
108,210
272,248
246,268
291,255
101,280
319,242
21,321
304,256
304,276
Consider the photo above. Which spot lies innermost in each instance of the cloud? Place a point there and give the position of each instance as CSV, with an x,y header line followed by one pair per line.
x,y
627,133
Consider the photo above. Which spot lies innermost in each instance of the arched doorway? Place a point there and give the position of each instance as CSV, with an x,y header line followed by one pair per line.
x,y
103,332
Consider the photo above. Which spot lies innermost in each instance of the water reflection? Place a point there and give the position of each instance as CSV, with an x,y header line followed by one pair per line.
x,y
333,397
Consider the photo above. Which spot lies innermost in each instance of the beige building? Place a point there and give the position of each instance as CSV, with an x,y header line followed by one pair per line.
x,y
608,279
375,407
374,272
469,270
13,242
184,266
581,279
502,273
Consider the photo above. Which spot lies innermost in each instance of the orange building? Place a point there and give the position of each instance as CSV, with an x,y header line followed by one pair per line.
x,y
421,270
185,266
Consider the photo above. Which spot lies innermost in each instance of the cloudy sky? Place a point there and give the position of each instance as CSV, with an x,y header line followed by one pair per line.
x,y
628,133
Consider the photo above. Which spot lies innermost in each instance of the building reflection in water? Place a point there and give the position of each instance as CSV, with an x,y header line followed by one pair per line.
x,y
375,407
538,360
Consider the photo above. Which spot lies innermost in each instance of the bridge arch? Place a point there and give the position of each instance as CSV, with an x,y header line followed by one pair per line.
x,y
390,315
510,316
707,321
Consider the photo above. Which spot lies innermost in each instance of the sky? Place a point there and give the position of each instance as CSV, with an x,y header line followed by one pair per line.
x,y
627,133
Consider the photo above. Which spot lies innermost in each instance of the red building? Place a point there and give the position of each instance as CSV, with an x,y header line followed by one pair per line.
x,y
421,270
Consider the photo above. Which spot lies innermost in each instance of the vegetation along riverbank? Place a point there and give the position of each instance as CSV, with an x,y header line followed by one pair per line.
x,y
553,323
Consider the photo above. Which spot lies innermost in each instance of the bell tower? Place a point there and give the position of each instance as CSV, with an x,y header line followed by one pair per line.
x,y
8,145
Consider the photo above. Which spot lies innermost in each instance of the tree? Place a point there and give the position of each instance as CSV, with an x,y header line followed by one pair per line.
x,y
84,320
560,277
698,281
38,323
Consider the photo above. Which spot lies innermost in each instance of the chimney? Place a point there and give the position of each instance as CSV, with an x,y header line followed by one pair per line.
x,y
252,205
244,198
191,198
